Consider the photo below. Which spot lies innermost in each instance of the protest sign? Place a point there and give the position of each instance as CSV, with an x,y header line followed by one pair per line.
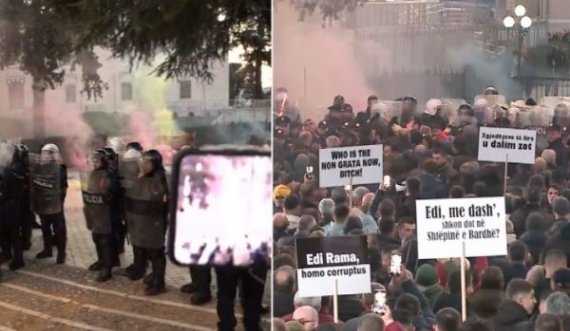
x,y
332,262
443,225
364,164
498,145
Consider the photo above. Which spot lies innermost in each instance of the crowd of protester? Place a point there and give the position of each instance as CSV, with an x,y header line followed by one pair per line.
x,y
429,152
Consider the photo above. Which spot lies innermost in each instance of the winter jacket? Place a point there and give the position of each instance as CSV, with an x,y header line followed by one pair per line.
x,y
486,303
512,317
519,217
535,240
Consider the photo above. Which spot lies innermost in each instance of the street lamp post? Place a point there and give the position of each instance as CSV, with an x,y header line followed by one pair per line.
x,y
522,23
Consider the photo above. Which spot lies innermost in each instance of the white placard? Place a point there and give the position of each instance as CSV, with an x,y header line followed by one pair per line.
x,y
322,261
364,164
496,143
443,224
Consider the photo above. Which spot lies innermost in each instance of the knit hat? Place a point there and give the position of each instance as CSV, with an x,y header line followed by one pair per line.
x,y
281,191
426,276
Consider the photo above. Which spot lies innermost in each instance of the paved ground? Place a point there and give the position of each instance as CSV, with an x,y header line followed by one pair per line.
x,y
45,296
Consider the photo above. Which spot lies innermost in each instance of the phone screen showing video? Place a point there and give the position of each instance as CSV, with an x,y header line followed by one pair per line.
x,y
223,204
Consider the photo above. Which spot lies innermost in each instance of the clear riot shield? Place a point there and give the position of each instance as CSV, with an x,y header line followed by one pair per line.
x,y
128,172
450,106
88,184
96,209
539,121
387,109
488,108
45,176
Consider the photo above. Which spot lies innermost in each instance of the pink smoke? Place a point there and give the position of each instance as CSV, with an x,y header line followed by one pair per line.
x,y
167,153
140,127
58,122
326,54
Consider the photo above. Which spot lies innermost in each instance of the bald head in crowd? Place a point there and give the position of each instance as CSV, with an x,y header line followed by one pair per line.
x,y
308,315
280,220
549,157
539,165
284,279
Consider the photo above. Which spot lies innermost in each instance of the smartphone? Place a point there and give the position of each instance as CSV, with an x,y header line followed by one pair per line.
x,y
309,172
395,264
379,302
347,188
387,181
221,201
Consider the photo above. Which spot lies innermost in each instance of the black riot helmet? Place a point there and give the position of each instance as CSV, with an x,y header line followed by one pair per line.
x,y
134,145
155,159
23,154
112,155
102,156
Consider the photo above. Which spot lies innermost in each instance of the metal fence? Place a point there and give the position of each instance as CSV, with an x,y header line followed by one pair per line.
x,y
220,113
538,87
422,85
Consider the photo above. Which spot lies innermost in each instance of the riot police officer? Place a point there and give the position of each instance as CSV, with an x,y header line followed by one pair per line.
x,y
146,207
27,217
49,188
98,192
128,173
11,177
117,205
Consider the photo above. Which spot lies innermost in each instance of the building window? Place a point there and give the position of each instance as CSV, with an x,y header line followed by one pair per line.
x,y
70,94
126,91
16,94
185,89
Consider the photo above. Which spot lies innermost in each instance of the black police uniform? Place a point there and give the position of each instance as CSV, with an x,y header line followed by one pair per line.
x,y
252,281
117,205
11,178
48,201
97,196
27,217
146,215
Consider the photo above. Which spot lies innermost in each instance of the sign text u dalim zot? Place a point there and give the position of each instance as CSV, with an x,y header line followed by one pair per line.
x,y
496,143
321,261
443,224
364,164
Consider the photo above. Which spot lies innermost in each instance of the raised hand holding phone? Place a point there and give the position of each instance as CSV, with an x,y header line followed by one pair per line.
x,y
395,264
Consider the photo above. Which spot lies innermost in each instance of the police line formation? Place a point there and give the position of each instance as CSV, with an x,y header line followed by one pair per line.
x,y
125,196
